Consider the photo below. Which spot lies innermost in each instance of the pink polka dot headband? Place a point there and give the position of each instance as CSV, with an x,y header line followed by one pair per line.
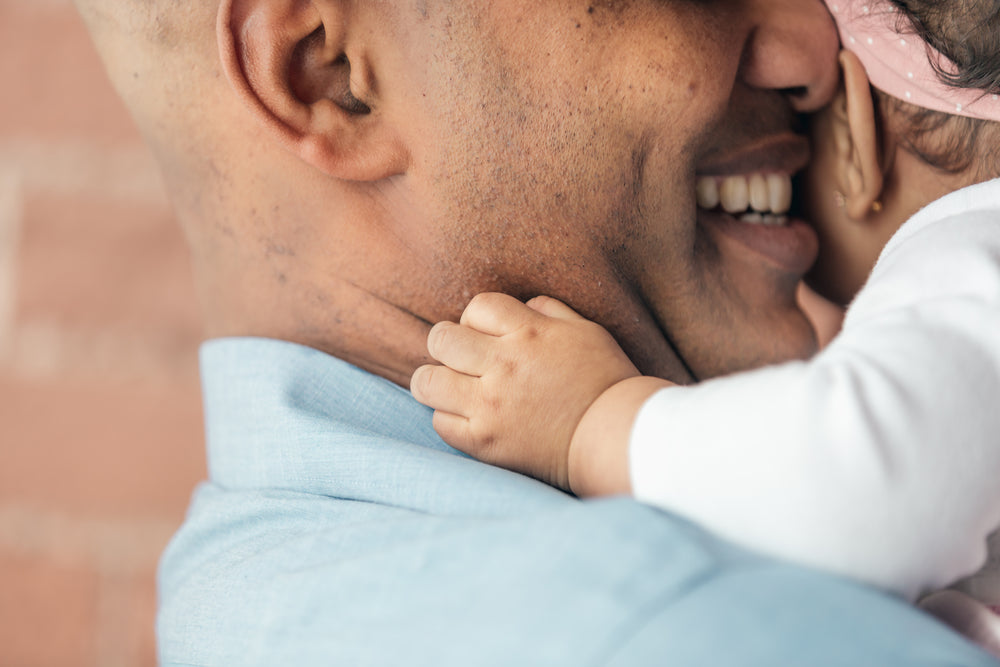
x,y
900,64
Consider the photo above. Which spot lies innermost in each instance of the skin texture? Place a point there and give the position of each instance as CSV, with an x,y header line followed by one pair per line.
x,y
349,173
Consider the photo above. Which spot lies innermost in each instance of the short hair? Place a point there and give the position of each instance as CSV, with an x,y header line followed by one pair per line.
x,y
159,23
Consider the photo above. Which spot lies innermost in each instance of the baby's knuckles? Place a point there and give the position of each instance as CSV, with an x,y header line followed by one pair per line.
x,y
483,440
483,303
492,400
517,426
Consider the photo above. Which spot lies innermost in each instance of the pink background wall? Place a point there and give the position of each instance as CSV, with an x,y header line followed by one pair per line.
x,y
100,422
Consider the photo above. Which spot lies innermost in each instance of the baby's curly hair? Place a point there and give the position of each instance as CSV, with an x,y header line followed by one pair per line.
x,y
967,32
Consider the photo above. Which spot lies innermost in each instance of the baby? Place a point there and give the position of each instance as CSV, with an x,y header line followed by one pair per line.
x,y
878,459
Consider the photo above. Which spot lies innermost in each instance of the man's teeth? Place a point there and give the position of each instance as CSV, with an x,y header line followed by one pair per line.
x,y
708,193
779,189
734,194
768,197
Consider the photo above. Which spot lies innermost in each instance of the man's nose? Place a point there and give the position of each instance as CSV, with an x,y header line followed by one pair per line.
x,y
793,49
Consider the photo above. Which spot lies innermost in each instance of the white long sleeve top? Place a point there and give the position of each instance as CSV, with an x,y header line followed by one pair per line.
x,y
878,459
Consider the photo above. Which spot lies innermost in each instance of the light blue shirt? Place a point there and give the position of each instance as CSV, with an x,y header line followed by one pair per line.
x,y
338,529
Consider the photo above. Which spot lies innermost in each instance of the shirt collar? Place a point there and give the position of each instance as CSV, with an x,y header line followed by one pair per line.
x,y
284,416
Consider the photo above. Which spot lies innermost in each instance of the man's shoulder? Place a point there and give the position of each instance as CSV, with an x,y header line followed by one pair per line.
x,y
335,528
282,577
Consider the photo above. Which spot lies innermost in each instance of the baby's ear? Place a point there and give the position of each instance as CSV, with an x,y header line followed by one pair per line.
x,y
855,128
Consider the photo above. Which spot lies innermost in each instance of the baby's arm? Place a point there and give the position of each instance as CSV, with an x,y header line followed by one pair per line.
x,y
537,389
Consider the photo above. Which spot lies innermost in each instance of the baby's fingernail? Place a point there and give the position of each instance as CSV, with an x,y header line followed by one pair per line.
x,y
416,379
434,335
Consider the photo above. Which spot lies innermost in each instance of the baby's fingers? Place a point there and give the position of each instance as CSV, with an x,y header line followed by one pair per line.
x,y
459,348
456,431
441,388
496,314
448,393
550,307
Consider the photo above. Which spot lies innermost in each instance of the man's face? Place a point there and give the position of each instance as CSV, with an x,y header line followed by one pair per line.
x,y
558,146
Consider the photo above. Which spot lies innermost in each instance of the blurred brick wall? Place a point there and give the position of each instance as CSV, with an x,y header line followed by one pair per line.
x,y
100,422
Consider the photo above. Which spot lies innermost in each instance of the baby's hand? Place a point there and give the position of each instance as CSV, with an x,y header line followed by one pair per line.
x,y
517,378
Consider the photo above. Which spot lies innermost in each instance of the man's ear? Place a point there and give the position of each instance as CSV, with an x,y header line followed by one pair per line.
x,y
299,69
859,170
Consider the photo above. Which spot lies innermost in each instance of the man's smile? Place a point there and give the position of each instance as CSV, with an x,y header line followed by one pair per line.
x,y
747,194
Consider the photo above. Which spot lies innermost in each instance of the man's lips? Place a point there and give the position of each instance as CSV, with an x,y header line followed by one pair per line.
x,y
791,246
783,153
745,194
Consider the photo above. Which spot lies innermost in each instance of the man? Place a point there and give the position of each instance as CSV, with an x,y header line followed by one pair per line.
x,y
346,173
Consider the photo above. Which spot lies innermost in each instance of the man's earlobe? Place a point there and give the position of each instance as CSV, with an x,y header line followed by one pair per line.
x,y
861,170
295,65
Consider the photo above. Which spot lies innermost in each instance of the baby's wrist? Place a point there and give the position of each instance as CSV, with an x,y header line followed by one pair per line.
x,y
598,452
